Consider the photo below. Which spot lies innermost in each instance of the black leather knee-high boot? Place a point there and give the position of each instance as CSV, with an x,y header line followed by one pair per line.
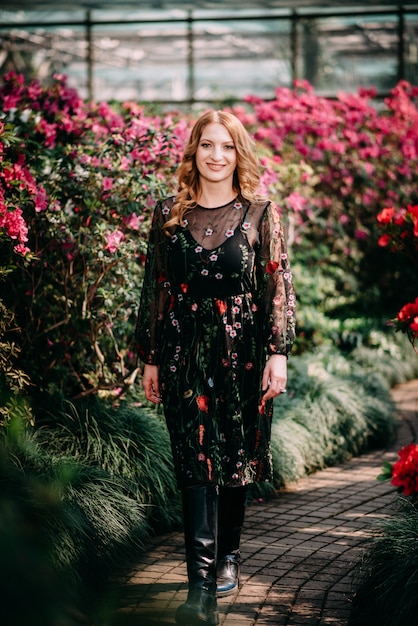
x,y
200,513
232,501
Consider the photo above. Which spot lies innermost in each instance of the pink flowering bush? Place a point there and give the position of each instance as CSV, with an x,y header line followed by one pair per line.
x,y
87,177
78,182
362,158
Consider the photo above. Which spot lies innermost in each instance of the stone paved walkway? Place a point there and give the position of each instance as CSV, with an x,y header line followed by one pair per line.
x,y
299,549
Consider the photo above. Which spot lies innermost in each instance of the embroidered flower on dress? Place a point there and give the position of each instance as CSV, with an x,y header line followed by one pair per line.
x,y
246,225
235,309
238,300
209,232
173,368
203,403
218,276
174,238
271,267
213,257
221,306
229,232
184,223
204,272
198,249
165,210
238,205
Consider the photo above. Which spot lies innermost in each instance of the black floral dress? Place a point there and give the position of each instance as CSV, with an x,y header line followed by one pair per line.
x,y
217,300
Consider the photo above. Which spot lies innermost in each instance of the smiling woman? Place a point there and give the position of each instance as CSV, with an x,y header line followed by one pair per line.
x,y
215,325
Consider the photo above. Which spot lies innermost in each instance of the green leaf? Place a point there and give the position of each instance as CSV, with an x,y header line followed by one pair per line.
x,y
386,472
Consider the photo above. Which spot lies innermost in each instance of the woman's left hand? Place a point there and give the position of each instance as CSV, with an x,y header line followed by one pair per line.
x,y
275,376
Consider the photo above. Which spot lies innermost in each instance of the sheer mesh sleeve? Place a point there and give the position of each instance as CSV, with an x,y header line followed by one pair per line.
x,y
155,291
274,274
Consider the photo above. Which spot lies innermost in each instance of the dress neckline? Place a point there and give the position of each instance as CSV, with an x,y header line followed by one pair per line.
x,y
215,208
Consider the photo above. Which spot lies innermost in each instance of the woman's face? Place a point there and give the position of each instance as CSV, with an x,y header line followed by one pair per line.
x,y
216,157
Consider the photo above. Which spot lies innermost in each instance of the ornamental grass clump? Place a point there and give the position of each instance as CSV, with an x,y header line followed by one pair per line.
x,y
386,580
130,443
75,526
388,356
332,412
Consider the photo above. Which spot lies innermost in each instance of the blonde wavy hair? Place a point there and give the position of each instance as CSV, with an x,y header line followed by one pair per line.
x,y
246,179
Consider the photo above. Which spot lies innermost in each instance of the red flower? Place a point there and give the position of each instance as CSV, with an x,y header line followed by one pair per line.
x,y
383,241
386,215
184,287
413,210
405,471
221,306
203,403
271,267
408,312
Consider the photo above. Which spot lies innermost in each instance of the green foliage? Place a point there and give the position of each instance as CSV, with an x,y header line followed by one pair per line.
x,y
130,443
13,380
33,591
75,526
387,578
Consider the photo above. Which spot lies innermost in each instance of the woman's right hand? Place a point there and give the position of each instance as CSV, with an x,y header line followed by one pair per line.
x,y
150,384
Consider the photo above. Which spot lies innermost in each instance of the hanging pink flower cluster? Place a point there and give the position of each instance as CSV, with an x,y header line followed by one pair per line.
x,y
17,189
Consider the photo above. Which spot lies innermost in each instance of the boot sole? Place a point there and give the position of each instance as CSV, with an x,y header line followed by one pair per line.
x,y
227,592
